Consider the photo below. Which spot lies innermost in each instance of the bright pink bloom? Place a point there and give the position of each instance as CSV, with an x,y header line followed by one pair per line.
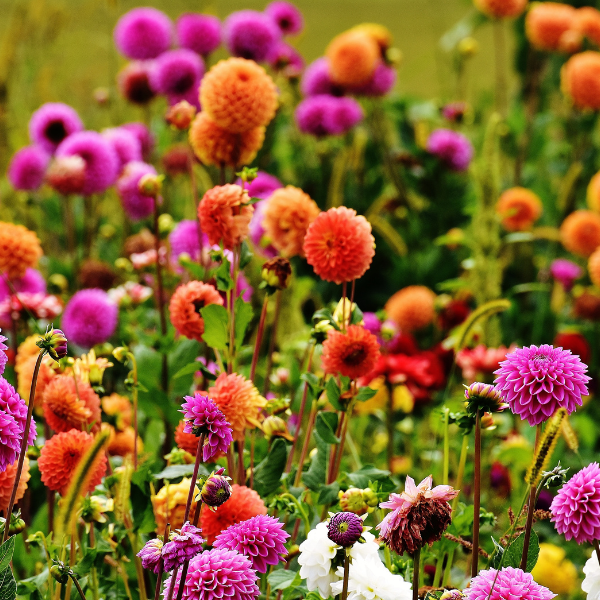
x,y
183,546
510,583
480,360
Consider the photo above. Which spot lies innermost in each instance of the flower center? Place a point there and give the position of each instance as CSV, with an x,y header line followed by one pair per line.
x,y
343,527
540,357
56,132
184,83
355,355
198,305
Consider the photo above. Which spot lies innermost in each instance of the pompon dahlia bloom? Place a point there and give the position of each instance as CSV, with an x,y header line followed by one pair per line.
x,y
480,361
144,135
547,22
262,186
202,417
32,282
185,239
519,209
182,546
225,215
339,245
52,123
27,168
420,515
197,32
60,456
136,205
287,17
126,145
352,57
260,538
580,232
90,318
565,272
353,353
576,508
591,583
412,307
176,74
169,504
214,145
185,306
286,217
594,267
143,33
250,34
19,250
7,481
327,115
316,80
587,22
238,95
243,504
501,9
580,80
151,554
286,59
451,148
101,161
133,81
382,81
508,583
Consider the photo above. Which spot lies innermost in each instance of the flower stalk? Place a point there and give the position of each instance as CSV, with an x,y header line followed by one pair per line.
x,y
477,495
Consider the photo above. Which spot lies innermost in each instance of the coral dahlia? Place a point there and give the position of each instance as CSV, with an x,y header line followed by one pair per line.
x,y
352,353
19,249
185,306
7,481
519,209
412,308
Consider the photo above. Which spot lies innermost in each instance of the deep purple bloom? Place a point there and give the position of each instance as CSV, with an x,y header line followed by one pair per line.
x,y
51,123
144,135
250,34
125,143
327,115
537,381
184,239
216,489
90,318
27,168
576,508
3,356
101,161
143,33
136,205
565,272
383,80
345,529
32,282
182,546
288,18
451,148
151,554
508,583
133,81
204,418
200,33
286,58
316,80
177,75
260,538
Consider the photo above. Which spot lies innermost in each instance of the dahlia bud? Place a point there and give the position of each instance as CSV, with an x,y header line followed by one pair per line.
x,y
150,185
17,525
178,456
166,224
121,353
468,47
483,397
276,273
276,427
345,529
180,115
54,343
247,174
60,572
370,498
487,421
352,500
66,174
216,489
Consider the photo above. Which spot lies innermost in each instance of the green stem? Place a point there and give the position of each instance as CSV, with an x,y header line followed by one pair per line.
x,y
530,510
461,470
477,495
446,446
346,575
448,569
300,510
416,564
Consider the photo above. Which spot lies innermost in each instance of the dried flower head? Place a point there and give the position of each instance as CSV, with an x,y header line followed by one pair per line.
x,y
276,273
182,546
151,554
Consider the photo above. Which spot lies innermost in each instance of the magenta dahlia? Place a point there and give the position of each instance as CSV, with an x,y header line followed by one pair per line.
x,y
345,529
538,380
136,205
27,168
3,356
216,489
509,583
143,33
260,538
288,18
200,33
10,440
151,554
126,145
51,123
182,546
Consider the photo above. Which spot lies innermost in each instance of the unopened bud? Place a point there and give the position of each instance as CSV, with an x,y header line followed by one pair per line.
x,y
166,224
120,353
180,115
54,343
487,421
370,498
274,426
277,273
247,174
216,489
150,185
352,500
483,397
59,573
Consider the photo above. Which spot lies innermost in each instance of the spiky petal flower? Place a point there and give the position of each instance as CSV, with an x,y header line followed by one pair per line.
x,y
151,554
508,583
10,440
352,353
537,381
419,516
260,538
182,546
345,528
576,507
216,489
13,405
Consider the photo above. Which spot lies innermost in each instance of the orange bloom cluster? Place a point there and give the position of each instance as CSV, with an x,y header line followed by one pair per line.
x,y
519,209
122,443
412,308
593,193
594,267
352,57
548,26
7,481
378,33
286,218
119,410
580,232
501,9
185,306
242,505
60,457
580,79
169,504
186,441
352,353
19,249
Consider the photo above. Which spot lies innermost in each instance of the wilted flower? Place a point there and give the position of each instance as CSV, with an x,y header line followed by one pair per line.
x,y
276,273
151,554
182,546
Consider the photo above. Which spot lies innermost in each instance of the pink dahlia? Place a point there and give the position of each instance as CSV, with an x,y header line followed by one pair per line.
x,y
182,546
151,554
538,380
479,361
576,507
507,584
260,538
3,356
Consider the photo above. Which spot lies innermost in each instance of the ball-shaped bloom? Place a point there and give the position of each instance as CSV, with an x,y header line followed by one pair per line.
x,y
133,81
52,123
182,546
144,135
203,418
143,33
380,34
576,508
70,404
286,59
32,282
243,504
90,318
580,80
151,554
60,457
594,267
538,380
200,33
170,503
287,17
101,161
352,57
508,583
382,81
547,22
565,272
122,443
118,409
501,9
327,115
580,232
345,529
286,217
125,144
214,145
339,245
225,215
7,481
187,238
176,74
412,307
250,34
555,571
352,353
185,306
316,80
587,22
452,148
260,538
27,168
238,95
19,250
136,205
519,208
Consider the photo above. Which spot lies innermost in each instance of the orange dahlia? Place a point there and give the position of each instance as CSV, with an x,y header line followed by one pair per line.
x,y
519,208
412,308
238,95
214,145
121,443
119,410
339,245
225,215
70,404
60,457
186,441
547,22
287,216
169,504
238,400
242,505
19,249
580,79
580,232
593,193
587,22
501,9
7,480
594,267
185,306
352,57
380,34
351,354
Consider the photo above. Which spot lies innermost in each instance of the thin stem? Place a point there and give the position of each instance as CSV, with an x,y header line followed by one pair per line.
x,y
50,494
70,229
530,509
259,336
252,444
187,562
161,565
95,591
272,342
241,470
188,505
311,423
195,199
446,446
477,495
390,427
461,470
232,295
448,569
346,574
76,583
135,410
344,296
160,300
416,563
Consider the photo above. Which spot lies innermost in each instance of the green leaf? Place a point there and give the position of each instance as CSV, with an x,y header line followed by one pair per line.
x,y
245,255
281,579
496,558
215,326
365,393
314,478
333,393
514,552
326,426
175,471
313,383
8,585
84,565
268,472
6,552
223,274
367,473
188,369
329,493
243,316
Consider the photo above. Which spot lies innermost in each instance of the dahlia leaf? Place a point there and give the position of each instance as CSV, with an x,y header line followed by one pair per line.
x,y
6,552
8,585
365,393
188,369
329,493
496,558
333,393
215,326
268,473
223,274
243,316
326,426
314,478
176,471
245,255
514,552
281,579
367,473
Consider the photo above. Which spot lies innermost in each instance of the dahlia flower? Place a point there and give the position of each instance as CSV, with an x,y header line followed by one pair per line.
x,y
327,115
286,59
316,80
3,349
508,583
200,33
52,123
7,481
316,555
519,208
19,250
151,554
185,306
144,135
32,282
382,81
287,17
250,34
27,168
580,232
170,502
591,583
176,74
133,81
451,148
483,397
352,57
143,33
481,360
136,204
10,440
122,443
182,546
186,238
579,80
501,9
345,529
352,353
125,144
